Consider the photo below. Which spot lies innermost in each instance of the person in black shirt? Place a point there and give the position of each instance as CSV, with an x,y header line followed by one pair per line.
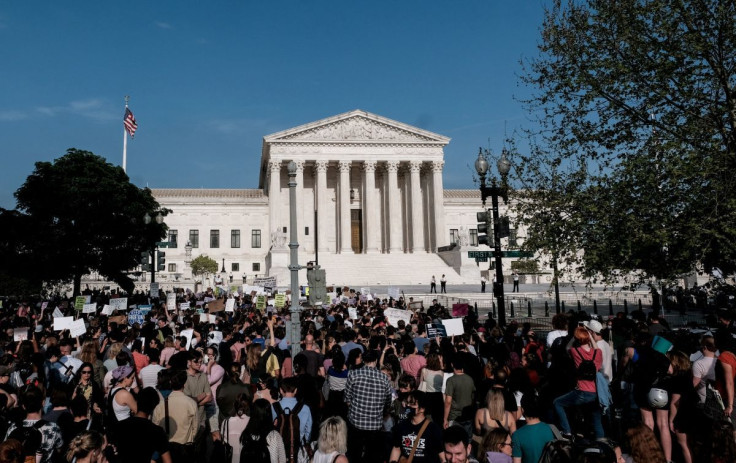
x,y
137,439
405,434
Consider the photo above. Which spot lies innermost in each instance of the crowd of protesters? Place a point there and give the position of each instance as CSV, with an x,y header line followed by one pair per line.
x,y
190,385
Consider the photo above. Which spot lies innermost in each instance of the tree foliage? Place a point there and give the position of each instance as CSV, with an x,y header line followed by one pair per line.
x,y
77,215
635,102
203,265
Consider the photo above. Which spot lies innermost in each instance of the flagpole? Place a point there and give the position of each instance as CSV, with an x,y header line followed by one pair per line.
x,y
125,140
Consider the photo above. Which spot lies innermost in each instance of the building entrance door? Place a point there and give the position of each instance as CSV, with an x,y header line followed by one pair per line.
x,y
356,230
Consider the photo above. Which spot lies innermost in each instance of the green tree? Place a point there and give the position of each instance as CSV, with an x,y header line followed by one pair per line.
x,y
203,265
641,96
77,215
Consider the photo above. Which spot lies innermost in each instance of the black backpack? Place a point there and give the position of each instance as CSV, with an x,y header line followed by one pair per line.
x,y
288,425
586,371
255,449
30,437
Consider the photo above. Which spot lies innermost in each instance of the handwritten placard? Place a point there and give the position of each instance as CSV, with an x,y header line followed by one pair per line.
x,y
79,302
280,300
454,326
20,334
62,323
394,315
353,313
120,303
89,308
107,310
57,313
77,328
230,305
171,301
184,306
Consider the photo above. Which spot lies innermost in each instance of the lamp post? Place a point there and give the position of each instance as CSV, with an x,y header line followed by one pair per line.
x,y
294,327
494,191
159,220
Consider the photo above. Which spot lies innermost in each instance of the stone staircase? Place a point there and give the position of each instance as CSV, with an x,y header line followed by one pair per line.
x,y
389,270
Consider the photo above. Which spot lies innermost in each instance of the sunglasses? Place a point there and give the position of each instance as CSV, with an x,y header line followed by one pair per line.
x,y
87,372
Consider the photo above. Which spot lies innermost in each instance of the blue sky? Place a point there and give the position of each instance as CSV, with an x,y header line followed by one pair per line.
x,y
208,80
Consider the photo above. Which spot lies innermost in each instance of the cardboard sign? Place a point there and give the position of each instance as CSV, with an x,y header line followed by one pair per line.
x,y
77,328
218,305
135,316
280,300
171,301
119,319
459,310
107,310
184,306
62,323
20,334
454,326
79,302
394,315
121,303
89,308
230,305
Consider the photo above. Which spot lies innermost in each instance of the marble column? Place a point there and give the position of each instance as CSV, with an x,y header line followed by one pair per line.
x,y
417,243
370,218
345,235
300,203
439,205
320,191
274,192
394,208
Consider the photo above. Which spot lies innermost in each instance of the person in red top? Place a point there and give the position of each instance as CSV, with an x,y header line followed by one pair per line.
x,y
582,348
725,376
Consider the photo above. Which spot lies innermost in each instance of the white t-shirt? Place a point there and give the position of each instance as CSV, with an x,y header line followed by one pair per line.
x,y
149,375
554,334
705,369
607,365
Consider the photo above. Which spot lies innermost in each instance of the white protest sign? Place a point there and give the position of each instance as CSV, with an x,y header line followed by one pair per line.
x,y
394,292
89,308
57,313
120,303
188,333
154,289
230,305
212,318
353,312
20,334
77,328
394,315
62,323
184,306
106,310
365,290
215,337
171,301
454,326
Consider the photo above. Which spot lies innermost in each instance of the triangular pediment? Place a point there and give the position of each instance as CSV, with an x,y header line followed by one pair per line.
x,y
358,127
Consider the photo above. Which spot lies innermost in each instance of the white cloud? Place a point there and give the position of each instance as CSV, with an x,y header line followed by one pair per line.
x,y
11,115
163,25
93,108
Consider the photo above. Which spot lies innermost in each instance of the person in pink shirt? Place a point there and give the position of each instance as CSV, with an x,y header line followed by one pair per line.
x,y
583,350
412,363
141,360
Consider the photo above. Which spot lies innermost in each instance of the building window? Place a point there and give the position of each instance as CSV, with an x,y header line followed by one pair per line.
x,y
512,238
474,237
454,236
214,239
255,239
194,238
306,231
256,267
172,268
234,267
234,238
173,238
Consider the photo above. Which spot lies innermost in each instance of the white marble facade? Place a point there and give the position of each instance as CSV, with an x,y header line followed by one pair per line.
x,y
366,185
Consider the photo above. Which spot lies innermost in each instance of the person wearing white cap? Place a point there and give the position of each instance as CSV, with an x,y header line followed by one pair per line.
x,y
594,327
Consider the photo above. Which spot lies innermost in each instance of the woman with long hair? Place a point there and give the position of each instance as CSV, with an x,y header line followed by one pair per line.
x,y
431,382
333,441
87,387
168,350
232,428
583,349
89,355
110,363
496,446
252,358
645,447
333,388
494,415
87,447
260,438
232,387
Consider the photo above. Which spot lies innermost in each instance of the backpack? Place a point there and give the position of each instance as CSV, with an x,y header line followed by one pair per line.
x,y
255,449
586,371
30,436
288,425
558,451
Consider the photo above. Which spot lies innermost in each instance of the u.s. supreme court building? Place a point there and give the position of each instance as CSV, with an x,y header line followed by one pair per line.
x,y
370,202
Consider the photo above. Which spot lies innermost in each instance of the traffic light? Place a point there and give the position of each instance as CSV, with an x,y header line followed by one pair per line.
x,y
504,227
144,261
317,285
161,263
485,228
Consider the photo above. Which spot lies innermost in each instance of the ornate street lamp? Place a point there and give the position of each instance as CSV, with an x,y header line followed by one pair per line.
x,y
504,166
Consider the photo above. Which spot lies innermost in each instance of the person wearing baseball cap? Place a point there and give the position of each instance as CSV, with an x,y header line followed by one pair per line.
x,y
594,327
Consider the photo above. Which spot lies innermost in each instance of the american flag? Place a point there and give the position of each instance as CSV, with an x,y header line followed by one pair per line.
x,y
129,122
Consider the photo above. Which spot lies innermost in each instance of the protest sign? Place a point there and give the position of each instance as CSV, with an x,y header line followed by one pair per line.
x,y
154,289
268,283
107,310
454,326
119,319
89,308
208,299
62,323
394,292
434,330
79,302
353,312
184,306
212,318
44,304
394,315
215,337
188,333
230,305
135,316
459,310
416,305
20,334
280,300
365,290
77,328
57,313
171,301
218,305
261,302
120,303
